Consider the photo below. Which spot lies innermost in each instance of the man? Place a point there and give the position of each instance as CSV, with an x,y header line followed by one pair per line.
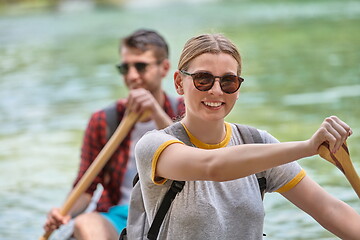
x,y
144,64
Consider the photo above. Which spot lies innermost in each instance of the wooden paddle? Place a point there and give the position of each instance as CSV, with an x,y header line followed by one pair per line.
x,y
99,162
341,159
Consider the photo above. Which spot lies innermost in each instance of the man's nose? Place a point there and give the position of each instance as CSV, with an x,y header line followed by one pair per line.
x,y
132,73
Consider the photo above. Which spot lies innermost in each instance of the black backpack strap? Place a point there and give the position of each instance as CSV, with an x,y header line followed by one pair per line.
x,y
112,121
123,234
262,185
175,188
252,135
136,179
169,197
249,134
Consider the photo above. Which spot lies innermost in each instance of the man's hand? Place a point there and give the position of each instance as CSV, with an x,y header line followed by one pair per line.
x,y
55,220
141,100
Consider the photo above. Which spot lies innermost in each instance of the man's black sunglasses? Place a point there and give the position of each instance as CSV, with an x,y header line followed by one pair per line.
x,y
204,81
140,67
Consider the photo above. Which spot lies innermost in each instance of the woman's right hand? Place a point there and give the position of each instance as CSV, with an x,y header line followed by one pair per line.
x,y
55,219
333,131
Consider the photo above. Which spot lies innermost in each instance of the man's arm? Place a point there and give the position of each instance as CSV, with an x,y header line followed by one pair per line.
x,y
90,149
55,219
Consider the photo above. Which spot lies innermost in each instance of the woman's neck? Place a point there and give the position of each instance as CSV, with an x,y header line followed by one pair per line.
x,y
209,132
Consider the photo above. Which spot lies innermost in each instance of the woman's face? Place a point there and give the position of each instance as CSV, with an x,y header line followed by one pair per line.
x,y
213,104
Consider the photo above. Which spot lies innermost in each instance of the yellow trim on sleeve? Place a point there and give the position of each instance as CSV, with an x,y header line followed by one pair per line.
x,y
293,182
160,181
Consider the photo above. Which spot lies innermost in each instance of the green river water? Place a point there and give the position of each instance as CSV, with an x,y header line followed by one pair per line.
x,y
301,62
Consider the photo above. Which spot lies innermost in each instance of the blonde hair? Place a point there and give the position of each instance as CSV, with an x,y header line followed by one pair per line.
x,y
208,43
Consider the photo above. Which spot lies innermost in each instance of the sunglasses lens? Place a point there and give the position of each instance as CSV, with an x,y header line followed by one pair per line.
x,y
140,67
123,68
230,83
203,81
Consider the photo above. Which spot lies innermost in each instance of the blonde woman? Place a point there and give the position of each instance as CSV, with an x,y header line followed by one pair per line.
x,y
220,198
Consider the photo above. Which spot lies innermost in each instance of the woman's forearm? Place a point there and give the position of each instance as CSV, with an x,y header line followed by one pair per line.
x,y
243,160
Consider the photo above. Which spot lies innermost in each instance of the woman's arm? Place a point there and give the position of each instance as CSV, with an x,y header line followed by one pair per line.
x,y
333,214
181,162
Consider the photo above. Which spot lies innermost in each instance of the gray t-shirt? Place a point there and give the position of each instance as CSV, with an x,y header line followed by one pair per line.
x,y
208,209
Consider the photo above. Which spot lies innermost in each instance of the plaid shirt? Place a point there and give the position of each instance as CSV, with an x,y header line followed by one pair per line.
x,y
111,176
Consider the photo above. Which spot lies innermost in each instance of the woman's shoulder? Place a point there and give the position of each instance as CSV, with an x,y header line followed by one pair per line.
x,y
253,133
173,128
159,135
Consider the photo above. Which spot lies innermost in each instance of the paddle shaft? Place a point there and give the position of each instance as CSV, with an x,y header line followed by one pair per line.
x,y
352,177
99,162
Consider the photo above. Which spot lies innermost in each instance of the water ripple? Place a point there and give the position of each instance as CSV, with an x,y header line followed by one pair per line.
x,y
330,95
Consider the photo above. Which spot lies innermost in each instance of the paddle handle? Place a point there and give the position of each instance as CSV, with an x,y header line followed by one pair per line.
x,y
46,235
99,162
341,159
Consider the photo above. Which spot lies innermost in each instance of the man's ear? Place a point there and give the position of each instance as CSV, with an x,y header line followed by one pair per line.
x,y
165,67
178,82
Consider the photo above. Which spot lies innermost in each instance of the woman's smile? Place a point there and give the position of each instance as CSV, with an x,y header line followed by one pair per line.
x,y
213,104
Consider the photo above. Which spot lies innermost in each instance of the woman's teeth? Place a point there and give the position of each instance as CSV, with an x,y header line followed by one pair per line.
x,y
213,104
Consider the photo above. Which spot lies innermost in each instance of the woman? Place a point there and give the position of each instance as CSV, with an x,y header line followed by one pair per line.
x,y
220,199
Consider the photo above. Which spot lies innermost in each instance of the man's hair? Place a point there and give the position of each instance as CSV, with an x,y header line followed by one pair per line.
x,y
144,40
